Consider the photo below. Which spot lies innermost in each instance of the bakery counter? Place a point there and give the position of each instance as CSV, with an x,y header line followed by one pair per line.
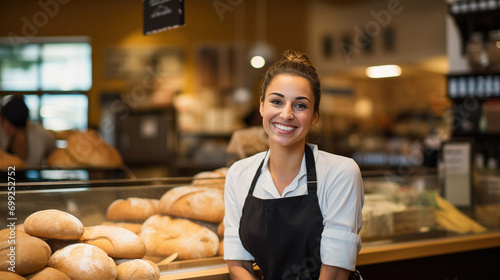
x,y
406,223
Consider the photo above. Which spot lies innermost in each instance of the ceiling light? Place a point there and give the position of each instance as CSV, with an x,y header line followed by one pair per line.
x,y
257,61
383,71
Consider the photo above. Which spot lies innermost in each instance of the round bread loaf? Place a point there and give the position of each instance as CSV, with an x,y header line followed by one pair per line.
x,y
209,179
133,227
164,236
62,158
48,273
84,262
136,269
117,242
31,255
6,234
53,224
206,204
220,230
89,149
132,209
7,275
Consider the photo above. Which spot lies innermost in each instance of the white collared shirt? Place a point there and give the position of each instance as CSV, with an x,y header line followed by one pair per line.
x,y
340,197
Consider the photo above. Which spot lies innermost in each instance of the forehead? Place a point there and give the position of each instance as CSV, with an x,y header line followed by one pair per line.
x,y
286,83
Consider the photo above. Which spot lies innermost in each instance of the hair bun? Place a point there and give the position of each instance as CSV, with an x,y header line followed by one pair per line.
x,y
297,57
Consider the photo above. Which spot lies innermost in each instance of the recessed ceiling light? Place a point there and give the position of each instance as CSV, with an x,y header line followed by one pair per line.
x,y
383,71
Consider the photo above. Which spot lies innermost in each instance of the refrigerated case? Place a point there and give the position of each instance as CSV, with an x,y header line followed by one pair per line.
x,y
411,232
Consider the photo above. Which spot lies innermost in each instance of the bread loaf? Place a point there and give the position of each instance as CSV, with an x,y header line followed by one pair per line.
x,y
164,236
7,160
6,275
137,269
84,262
89,149
61,158
206,204
31,255
221,248
209,179
132,209
117,242
6,234
48,273
53,224
133,227
220,230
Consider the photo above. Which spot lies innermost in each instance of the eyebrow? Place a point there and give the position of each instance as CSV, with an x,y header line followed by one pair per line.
x,y
283,96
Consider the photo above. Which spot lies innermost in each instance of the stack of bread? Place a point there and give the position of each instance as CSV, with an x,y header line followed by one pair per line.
x,y
56,245
185,223
85,149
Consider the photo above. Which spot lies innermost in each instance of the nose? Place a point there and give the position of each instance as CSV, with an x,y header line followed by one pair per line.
x,y
287,112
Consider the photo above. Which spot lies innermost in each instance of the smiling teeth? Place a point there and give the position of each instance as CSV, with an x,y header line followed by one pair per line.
x,y
282,127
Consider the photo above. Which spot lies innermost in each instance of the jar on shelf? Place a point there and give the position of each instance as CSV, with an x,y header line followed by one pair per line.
x,y
493,49
477,57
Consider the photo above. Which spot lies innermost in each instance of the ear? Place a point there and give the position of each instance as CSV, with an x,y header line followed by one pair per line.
x,y
315,118
261,108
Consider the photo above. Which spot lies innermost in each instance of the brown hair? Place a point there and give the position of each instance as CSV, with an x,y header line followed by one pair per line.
x,y
296,64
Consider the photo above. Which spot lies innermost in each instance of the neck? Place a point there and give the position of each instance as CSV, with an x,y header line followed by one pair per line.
x,y
284,164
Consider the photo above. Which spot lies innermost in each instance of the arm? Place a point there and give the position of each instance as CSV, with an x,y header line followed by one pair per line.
x,y
332,272
241,270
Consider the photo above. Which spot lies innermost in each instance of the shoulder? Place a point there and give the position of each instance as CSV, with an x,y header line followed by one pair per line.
x,y
246,166
337,164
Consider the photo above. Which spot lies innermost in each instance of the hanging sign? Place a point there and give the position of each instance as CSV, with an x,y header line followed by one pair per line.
x,y
161,15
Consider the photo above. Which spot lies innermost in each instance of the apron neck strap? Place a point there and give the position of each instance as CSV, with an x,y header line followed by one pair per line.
x,y
310,167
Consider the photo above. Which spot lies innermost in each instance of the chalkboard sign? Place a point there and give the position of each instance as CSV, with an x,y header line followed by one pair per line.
x,y
161,15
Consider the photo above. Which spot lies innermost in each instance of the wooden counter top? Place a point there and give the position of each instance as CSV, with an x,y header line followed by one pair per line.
x,y
373,253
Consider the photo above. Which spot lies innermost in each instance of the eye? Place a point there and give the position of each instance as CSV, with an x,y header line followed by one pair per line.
x,y
276,101
301,106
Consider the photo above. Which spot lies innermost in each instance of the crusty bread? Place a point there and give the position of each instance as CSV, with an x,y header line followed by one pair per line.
x,y
136,269
210,179
6,234
117,242
53,224
7,275
84,262
220,230
48,273
221,248
89,149
31,255
206,204
133,227
7,160
132,209
62,158
164,236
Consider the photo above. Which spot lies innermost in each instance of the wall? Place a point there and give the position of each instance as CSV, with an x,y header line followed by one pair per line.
x,y
111,23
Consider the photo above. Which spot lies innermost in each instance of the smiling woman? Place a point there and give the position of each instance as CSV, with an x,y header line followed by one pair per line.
x,y
287,208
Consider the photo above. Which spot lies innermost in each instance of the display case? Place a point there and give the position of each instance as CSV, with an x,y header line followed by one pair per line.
x,y
403,212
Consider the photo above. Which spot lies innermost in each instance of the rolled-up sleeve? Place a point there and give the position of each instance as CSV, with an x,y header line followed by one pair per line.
x,y
341,205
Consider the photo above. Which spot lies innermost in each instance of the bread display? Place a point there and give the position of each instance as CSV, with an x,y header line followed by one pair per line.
x,y
53,224
48,273
201,203
164,236
136,269
117,242
31,255
85,149
132,209
211,179
89,149
133,227
7,275
84,262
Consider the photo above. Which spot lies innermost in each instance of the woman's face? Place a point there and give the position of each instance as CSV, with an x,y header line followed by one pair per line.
x,y
288,110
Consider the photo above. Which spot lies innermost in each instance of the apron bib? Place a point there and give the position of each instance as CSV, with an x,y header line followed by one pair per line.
x,y
284,235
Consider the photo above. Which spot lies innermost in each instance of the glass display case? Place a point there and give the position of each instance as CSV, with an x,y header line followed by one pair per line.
x,y
399,209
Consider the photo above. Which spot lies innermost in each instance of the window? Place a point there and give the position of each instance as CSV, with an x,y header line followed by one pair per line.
x,y
54,75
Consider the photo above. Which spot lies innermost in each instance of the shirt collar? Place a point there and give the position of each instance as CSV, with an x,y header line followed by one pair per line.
x,y
301,178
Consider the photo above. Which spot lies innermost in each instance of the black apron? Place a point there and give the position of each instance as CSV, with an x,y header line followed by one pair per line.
x,y
284,235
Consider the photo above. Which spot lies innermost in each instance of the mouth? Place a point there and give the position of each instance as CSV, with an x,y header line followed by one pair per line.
x,y
284,128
